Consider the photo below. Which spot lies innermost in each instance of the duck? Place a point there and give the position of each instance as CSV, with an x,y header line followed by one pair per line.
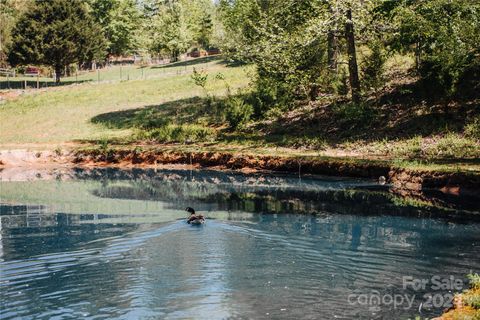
x,y
194,219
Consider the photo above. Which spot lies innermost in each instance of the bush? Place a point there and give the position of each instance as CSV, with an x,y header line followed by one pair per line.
x,y
472,130
268,93
472,297
340,84
444,34
454,146
179,133
373,69
238,113
357,114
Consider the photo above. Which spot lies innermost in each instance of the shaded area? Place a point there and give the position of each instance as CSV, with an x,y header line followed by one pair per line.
x,y
402,112
432,131
154,116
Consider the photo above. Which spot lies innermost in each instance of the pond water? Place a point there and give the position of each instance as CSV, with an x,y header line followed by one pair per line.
x,y
114,244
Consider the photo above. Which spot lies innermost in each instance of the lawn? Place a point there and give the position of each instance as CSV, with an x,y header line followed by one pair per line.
x,y
112,73
64,114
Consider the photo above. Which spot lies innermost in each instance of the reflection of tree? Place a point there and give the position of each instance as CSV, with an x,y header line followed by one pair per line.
x,y
286,197
269,193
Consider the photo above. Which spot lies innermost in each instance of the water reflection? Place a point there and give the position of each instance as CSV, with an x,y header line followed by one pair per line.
x,y
117,250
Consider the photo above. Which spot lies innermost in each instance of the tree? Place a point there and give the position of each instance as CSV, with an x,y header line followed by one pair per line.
x,y
443,35
175,26
199,17
9,12
56,33
169,31
352,57
120,21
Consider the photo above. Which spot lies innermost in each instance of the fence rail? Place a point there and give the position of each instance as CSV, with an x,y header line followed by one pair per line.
x,y
7,72
107,74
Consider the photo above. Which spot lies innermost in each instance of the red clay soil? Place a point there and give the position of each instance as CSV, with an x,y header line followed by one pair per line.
x,y
233,162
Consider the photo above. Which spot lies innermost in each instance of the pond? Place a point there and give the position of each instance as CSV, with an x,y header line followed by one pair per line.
x,y
107,243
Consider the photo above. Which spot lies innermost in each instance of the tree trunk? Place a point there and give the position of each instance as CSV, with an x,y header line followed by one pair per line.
x,y
418,56
332,44
332,50
175,55
352,58
58,72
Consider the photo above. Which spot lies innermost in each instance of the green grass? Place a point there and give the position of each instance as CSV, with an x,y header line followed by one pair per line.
x,y
471,302
65,114
114,73
445,146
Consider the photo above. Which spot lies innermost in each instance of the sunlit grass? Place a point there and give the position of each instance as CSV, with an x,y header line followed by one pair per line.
x,y
64,114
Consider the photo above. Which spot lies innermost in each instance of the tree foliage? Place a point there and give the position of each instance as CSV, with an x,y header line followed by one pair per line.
x,y
290,42
175,26
10,10
444,36
301,48
56,33
120,21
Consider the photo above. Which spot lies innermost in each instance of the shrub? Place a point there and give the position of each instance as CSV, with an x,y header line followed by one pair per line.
x,y
445,37
472,130
238,113
474,280
357,114
179,133
373,69
200,79
453,146
472,297
340,84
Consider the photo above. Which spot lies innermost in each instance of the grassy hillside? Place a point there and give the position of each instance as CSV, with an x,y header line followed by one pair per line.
x,y
167,107
64,114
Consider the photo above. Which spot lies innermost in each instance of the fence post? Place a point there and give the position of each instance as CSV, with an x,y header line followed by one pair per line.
x,y
25,84
8,81
38,82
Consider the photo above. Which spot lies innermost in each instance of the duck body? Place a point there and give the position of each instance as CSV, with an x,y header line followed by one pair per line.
x,y
194,219
198,221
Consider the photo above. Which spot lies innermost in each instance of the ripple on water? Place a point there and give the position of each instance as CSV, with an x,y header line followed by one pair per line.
x,y
284,266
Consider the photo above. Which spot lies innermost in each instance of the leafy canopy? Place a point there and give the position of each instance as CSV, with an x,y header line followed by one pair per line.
x,y
56,33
